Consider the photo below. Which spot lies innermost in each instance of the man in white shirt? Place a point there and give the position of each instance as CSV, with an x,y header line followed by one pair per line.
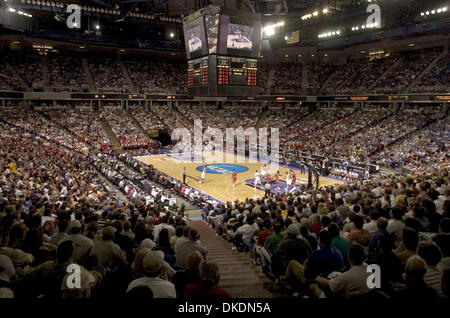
x,y
395,224
372,225
352,282
81,244
153,269
185,247
164,225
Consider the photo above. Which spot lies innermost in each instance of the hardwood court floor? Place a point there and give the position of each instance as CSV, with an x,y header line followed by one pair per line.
x,y
219,185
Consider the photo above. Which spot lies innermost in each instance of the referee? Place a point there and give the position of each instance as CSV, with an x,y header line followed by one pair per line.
x,y
184,174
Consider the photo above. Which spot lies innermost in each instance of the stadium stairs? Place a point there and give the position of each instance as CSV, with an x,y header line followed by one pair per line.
x,y
126,75
305,79
45,73
108,131
268,90
425,71
261,119
13,71
88,73
383,76
137,123
159,118
237,275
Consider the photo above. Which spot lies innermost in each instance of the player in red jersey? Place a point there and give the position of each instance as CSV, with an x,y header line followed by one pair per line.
x,y
277,179
233,178
294,178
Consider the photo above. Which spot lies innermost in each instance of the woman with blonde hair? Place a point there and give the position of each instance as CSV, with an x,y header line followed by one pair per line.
x,y
138,263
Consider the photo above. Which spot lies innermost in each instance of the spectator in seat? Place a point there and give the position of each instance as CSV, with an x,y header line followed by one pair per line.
x,y
82,244
164,225
431,254
153,271
338,241
416,289
207,288
106,249
358,234
292,248
186,248
191,275
395,224
352,282
410,242
325,260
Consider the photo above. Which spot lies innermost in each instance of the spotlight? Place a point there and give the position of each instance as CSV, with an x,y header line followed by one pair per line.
x,y
97,27
427,13
325,11
433,11
422,14
439,10
172,34
444,9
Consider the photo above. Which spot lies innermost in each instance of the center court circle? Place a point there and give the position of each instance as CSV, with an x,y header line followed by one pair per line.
x,y
222,168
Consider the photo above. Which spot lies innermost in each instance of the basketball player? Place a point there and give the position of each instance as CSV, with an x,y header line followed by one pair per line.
x,y
268,178
233,178
203,175
257,178
263,170
288,181
184,174
277,179
294,178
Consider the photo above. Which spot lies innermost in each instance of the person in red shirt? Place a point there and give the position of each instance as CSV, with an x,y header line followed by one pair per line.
x,y
294,178
277,179
207,288
233,178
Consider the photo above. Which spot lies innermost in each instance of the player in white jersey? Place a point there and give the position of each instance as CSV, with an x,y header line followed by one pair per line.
x,y
203,175
263,170
288,181
257,178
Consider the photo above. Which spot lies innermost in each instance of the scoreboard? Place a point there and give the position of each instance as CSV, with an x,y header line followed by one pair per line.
x,y
237,71
222,47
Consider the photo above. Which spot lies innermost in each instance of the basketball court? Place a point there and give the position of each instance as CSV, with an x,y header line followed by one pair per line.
x,y
218,177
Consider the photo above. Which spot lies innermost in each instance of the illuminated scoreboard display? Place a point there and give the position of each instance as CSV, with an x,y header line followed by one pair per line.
x,y
237,71
222,48
198,72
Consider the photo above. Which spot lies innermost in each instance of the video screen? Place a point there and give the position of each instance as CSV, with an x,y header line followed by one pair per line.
x,y
239,37
194,41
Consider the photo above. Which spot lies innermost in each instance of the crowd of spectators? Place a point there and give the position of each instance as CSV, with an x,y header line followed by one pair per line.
x,y
82,123
145,74
123,222
129,135
320,243
436,81
27,65
146,118
8,80
287,78
65,72
107,74
403,74
58,209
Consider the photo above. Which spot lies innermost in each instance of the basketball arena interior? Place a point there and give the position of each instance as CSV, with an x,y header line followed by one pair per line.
x,y
345,104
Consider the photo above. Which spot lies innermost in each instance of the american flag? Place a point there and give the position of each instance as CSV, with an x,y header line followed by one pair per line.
x,y
293,37
212,29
